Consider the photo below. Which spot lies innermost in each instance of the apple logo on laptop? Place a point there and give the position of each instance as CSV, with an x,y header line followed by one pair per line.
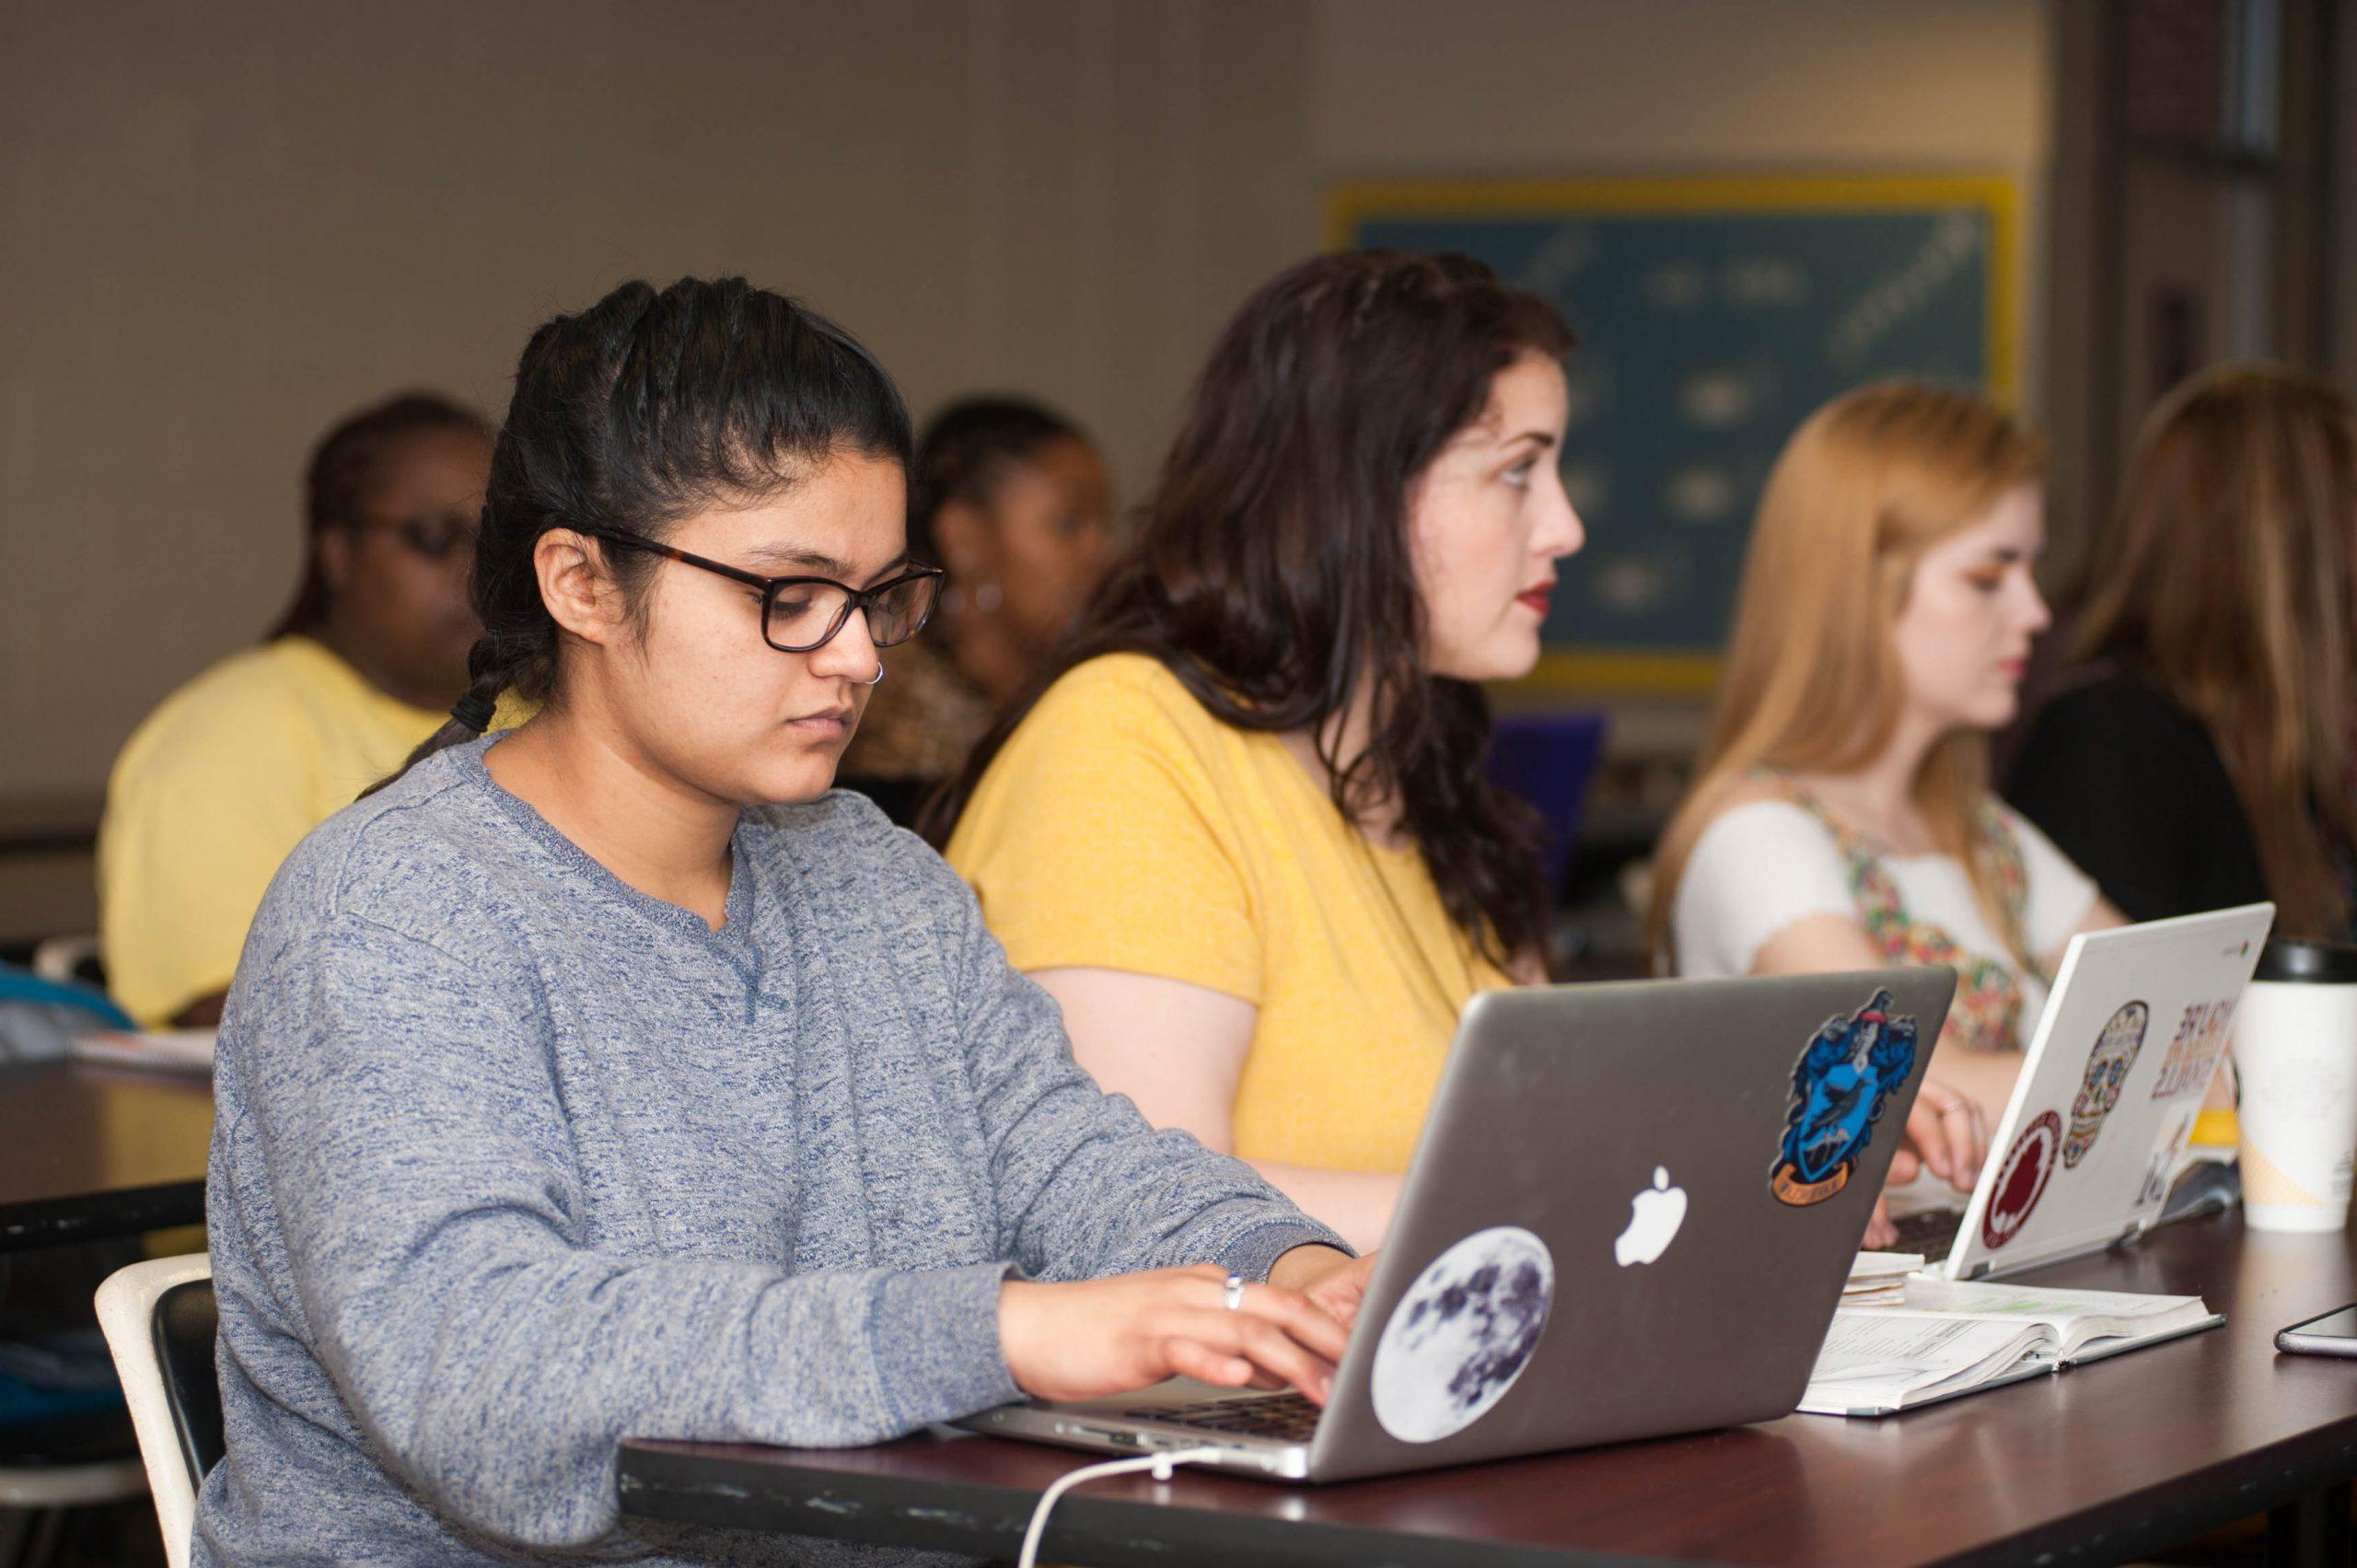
x,y
1654,1214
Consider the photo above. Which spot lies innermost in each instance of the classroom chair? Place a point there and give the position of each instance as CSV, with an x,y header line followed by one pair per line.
x,y
35,1499
161,1322
75,955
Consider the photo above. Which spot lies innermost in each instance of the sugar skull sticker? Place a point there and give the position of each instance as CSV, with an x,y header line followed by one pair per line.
x,y
2107,1065
2021,1180
1840,1086
1462,1334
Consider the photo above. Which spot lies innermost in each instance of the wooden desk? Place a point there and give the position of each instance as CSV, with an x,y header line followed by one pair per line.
x,y
2097,1465
87,1153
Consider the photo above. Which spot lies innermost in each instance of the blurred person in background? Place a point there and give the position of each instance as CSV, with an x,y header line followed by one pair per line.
x,y
230,771
2197,751
1012,500
1842,817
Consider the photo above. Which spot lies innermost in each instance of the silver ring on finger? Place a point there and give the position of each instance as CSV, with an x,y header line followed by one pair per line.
x,y
1231,1295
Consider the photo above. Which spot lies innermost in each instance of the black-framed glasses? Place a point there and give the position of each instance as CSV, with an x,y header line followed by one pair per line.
x,y
800,615
434,535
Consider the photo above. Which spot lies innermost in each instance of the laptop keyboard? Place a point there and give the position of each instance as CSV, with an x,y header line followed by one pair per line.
x,y
1931,1233
1287,1416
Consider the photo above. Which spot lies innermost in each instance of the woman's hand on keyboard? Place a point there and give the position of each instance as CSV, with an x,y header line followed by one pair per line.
x,y
1335,1281
1099,1337
1944,1131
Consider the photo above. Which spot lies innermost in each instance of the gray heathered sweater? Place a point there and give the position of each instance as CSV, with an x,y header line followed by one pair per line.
x,y
512,1161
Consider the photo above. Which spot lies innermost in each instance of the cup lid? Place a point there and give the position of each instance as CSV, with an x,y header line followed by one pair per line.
x,y
2286,961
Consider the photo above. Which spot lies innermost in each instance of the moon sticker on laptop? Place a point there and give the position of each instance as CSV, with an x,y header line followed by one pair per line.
x,y
1462,1333
1840,1086
2107,1065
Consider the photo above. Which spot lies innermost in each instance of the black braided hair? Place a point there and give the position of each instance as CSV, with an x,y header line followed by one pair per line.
x,y
633,415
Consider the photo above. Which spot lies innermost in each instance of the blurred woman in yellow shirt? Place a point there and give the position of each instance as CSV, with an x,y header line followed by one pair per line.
x,y
1240,830
230,771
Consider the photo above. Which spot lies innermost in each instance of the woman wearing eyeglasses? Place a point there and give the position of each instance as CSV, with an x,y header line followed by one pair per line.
x,y
615,1077
232,769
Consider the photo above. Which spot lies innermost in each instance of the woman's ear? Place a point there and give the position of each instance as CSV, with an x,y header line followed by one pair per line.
x,y
331,546
961,531
582,598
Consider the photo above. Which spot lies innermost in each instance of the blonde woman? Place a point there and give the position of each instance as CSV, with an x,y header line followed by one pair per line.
x,y
2199,754
1843,819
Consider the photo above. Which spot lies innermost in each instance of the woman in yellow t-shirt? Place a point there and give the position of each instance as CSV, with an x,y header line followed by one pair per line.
x,y
1240,830
229,772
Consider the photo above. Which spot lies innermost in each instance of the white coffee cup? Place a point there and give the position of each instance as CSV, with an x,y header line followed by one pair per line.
x,y
2295,1057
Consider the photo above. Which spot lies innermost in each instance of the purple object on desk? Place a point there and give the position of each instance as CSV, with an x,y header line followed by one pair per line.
x,y
1549,760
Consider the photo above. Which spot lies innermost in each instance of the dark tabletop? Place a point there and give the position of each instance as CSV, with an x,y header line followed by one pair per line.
x,y
2096,1464
90,1152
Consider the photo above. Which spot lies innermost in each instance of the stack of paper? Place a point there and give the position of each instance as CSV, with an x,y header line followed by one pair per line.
x,y
177,1051
1880,1279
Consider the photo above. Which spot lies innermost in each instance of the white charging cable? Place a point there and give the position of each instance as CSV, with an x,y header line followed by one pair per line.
x,y
1160,1464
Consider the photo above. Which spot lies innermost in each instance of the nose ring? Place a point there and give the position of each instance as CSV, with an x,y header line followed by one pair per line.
x,y
875,678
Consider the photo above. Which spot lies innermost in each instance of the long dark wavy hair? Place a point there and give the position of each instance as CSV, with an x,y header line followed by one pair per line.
x,y
1272,574
2229,574
633,415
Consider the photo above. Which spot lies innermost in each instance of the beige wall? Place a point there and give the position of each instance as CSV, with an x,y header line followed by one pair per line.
x,y
1777,84
222,225
225,225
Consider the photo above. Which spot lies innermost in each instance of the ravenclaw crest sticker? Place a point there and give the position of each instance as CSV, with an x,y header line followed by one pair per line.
x,y
1839,1087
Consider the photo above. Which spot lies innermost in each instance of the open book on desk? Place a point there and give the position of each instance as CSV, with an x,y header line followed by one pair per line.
x,y
1952,1337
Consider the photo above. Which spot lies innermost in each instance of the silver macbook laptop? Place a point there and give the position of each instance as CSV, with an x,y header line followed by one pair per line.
x,y
2108,1095
1630,1213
